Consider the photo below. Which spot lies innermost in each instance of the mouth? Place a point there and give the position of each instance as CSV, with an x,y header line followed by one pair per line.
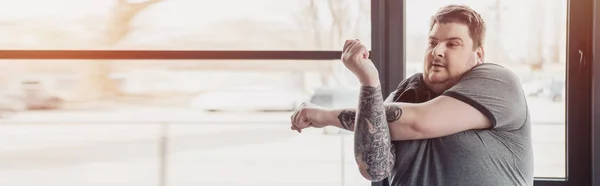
x,y
437,65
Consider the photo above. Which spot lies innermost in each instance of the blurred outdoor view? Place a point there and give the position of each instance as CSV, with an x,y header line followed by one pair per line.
x,y
226,122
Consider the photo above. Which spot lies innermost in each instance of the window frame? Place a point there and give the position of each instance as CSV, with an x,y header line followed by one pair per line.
x,y
595,95
389,54
169,54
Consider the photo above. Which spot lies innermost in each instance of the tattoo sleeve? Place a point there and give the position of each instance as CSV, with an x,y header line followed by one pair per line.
x,y
347,117
372,142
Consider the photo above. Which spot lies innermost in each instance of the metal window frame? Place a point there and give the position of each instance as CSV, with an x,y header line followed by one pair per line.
x,y
388,38
595,59
169,55
388,43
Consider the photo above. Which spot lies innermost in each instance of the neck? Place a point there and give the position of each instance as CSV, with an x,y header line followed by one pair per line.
x,y
437,88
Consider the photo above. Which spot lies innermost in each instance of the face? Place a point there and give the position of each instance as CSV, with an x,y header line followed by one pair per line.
x,y
449,54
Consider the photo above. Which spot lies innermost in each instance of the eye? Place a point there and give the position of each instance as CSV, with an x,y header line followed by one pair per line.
x,y
452,44
432,43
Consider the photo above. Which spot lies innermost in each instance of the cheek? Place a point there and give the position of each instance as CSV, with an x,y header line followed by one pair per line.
x,y
457,69
426,59
459,64
427,53
451,70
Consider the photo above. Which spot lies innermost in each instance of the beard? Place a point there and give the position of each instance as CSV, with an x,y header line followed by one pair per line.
x,y
437,71
440,83
438,77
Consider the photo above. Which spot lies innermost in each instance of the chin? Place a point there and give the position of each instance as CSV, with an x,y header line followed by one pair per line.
x,y
438,82
436,78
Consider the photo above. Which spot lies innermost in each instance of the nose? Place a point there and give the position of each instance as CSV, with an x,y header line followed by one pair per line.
x,y
438,51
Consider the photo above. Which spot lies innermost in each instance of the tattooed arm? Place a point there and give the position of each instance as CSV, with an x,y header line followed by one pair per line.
x,y
373,149
439,117
345,118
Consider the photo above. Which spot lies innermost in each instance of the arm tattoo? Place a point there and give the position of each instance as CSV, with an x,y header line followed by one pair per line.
x,y
392,113
372,142
348,117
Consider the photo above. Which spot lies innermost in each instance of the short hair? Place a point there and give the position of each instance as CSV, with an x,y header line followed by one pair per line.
x,y
465,15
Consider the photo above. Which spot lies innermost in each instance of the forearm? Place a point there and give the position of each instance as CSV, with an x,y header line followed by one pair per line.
x,y
401,128
372,142
346,118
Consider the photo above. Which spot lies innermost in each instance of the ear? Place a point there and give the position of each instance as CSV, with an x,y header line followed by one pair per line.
x,y
480,54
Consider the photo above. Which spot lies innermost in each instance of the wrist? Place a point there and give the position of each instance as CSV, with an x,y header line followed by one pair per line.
x,y
371,82
369,79
330,117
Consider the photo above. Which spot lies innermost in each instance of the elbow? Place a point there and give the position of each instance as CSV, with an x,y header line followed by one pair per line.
x,y
374,175
377,179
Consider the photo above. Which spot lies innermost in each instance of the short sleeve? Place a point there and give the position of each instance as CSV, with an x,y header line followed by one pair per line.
x,y
496,92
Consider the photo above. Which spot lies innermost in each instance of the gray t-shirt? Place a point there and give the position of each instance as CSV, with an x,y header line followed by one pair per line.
x,y
500,156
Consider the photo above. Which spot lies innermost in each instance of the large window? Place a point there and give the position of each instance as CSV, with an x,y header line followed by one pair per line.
x,y
198,92
177,92
172,122
182,24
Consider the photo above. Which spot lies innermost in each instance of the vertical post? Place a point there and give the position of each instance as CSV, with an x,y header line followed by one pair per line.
x,y
378,39
579,92
387,33
595,59
395,65
163,151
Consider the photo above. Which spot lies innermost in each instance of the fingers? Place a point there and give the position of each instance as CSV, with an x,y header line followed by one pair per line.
x,y
346,50
302,123
297,115
297,125
354,45
298,110
295,120
355,50
349,44
360,48
298,118
350,48
293,117
296,129
361,52
346,44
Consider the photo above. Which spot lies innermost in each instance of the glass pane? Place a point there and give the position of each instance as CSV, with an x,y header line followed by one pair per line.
x,y
183,24
48,152
351,176
529,37
89,122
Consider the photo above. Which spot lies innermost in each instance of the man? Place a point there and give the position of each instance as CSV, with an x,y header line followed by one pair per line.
x,y
468,124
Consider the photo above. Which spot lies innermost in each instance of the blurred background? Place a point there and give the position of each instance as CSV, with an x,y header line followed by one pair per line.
x,y
226,122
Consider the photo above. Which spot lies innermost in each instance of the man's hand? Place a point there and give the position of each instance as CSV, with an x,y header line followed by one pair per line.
x,y
355,57
310,115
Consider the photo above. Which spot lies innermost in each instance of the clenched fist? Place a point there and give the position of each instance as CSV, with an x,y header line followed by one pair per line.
x,y
355,57
310,115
